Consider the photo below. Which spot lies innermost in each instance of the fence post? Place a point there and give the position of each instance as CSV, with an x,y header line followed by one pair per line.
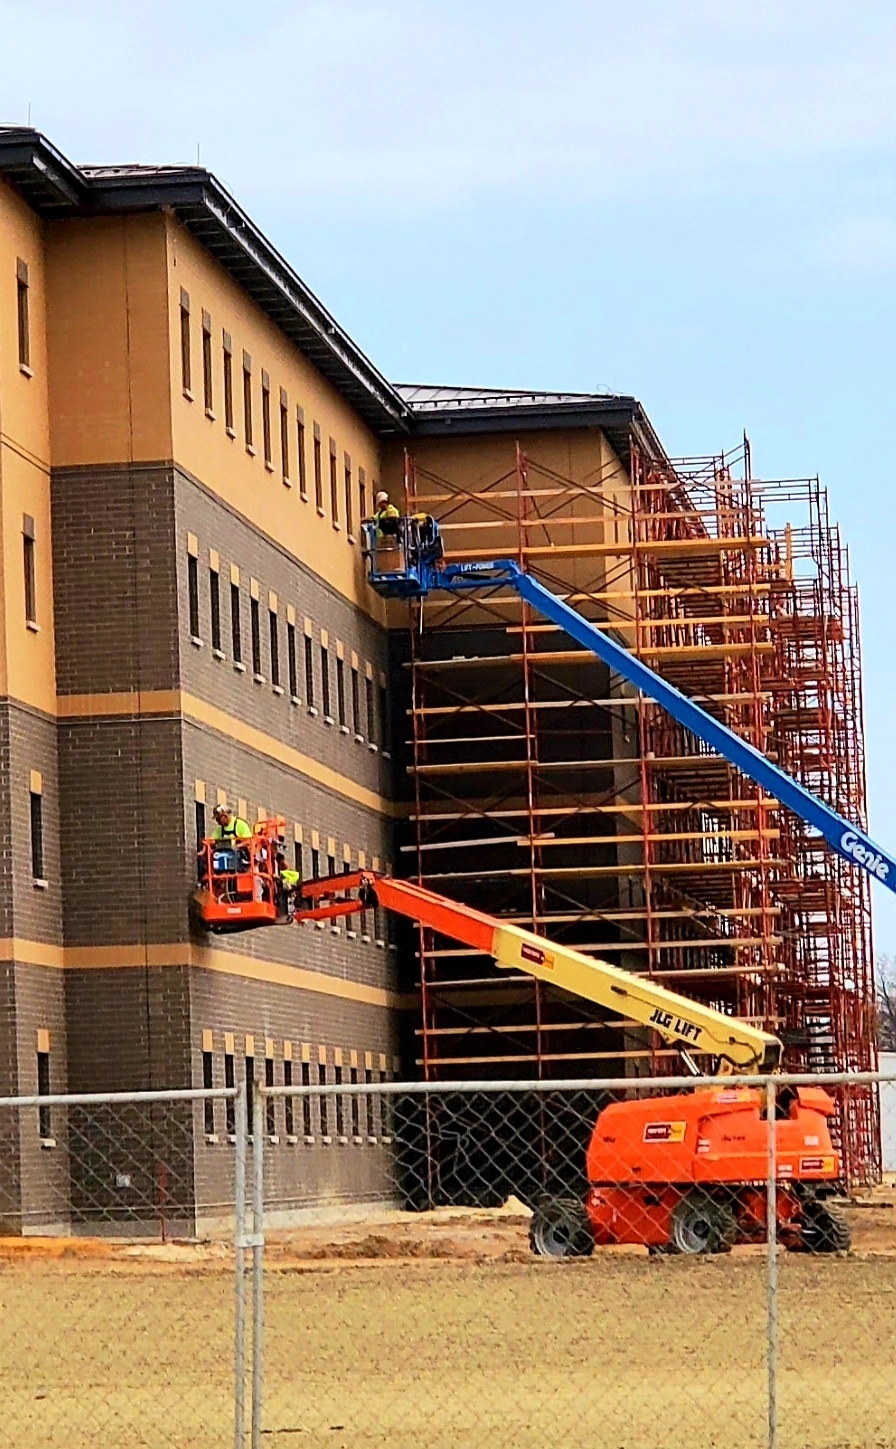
x,y
239,1240
771,1214
258,1115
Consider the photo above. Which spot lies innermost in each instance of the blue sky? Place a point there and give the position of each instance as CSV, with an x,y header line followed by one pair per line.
x,y
690,200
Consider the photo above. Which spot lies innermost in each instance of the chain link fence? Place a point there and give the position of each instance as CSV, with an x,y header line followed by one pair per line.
x,y
118,1326
628,1265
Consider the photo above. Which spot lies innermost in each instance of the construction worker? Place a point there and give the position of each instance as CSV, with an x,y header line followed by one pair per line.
x,y
289,882
386,517
230,828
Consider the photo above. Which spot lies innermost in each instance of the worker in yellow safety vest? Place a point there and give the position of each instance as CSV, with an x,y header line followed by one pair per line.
x,y
229,827
289,882
386,517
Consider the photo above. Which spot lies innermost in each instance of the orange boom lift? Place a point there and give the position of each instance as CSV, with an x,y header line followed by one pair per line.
x,y
681,1173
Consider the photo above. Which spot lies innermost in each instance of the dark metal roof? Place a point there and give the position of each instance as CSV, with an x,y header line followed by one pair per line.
x,y
440,411
54,187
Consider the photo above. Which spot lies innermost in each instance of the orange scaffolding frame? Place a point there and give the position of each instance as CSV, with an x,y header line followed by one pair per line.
x,y
548,791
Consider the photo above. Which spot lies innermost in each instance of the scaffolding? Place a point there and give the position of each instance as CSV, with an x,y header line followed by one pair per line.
x,y
548,791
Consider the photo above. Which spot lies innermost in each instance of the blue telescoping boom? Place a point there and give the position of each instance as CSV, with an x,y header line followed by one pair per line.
x,y
412,565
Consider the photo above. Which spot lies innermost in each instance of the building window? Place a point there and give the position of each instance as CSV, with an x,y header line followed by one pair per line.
x,y
230,1105
369,1103
356,703
340,691
44,1121
307,1124
275,648
298,863
228,384
318,472
236,632
291,660
325,680
309,671
371,712
30,572
340,1105
384,717
289,1103
214,601
186,366
37,835
207,388
247,398
315,862
362,493
208,1081
200,823
334,483
355,1105
331,864
284,435
250,1090
22,309
270,1104
324,1101
300,454
255,629
349,501
193,592
266,419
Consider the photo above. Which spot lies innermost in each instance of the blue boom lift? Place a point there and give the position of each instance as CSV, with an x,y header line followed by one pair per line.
x,y
410,564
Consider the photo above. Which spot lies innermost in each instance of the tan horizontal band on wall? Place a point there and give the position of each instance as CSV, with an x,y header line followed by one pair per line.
x,y
203,958
175,701
127,702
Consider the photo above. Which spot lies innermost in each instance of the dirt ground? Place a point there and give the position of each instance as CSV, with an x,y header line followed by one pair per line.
x,y
439,1331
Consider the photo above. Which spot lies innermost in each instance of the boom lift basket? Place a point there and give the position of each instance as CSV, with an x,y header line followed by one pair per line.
x,y
239,883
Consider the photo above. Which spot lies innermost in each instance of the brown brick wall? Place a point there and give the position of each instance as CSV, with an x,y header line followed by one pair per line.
x,y
242,773
30,742
295,1172
123,842
258,557
114,579
128,1028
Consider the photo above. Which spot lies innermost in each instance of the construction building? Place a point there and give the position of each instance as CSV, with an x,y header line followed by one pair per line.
x,y
189,441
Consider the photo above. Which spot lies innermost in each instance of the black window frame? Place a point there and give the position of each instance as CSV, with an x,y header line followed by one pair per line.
x,y
266,435
208,1082
236,623
325,700
227,355
44,1112
274,631
214,608
309,671
186,346
255,635
29,568
36,827
193,595
23,313
208,390
292,662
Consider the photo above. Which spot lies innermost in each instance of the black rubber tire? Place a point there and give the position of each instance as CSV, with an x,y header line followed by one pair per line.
x,y
825,1229
559,1229
701,1224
